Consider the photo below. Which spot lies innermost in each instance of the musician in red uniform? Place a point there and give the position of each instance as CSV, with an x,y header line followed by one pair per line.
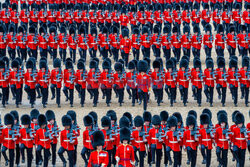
x,y
43,79
69,82
93,81
43,140
9,139
166,42
222,137
233,79
125,153
197,79
183,77
239,139
67,138
173,140
81,78
139,140
119,81
244,79
27,138
190,139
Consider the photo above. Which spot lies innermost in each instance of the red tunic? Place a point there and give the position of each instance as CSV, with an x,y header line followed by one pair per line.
x,y
41,139
172,141
98,158
126,154
26,139
65,142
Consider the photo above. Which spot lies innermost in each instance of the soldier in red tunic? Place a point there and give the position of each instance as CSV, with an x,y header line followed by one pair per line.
x,y
197,79
32,42
43,39
208,40
245,79
170,81
131,81
4,81
69,82
220,40
119,81
232,40
67,137
233,79
81,78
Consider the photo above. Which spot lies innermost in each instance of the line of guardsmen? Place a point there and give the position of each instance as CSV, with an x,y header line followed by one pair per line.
x,y
138,80
127,144
114,39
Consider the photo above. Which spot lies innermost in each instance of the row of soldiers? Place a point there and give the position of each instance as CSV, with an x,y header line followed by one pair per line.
x,y
109,42
127,144
139,79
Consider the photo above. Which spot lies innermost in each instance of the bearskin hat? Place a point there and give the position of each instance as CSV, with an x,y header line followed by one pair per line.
x,y
32,30
52,29
164,115
25,119
144,29
29,64
196,5
72,114
2,64
106,64
131,65
142,66
196,29
112,115
232,28
69,65
221,112
15,64
169,64
208,28
11,28
135,62
243,28
125,134
42,120
106,122
42,30
136,31
94,115
118,66
125,32
233,63
50,115
184,63
175,29
220,28
57,63
209,63
148,60
245,61
98,139
42,64
156,120
15,114
197,63
166,29
9,119
239,118
92,64
177,7
206,6
178,116
156,29
138,121
129,116
80,65
88,120
172,121
204,119
208,111
66,120
191,120
222,118
233,115
34,114
186,29
20,29
221,63
192,112
147,116
124,122
156,64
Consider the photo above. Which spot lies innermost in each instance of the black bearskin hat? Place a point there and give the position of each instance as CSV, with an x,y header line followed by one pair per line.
x,y
192,112
42,120
209,63
197,63
34,114
15,114
142,66
220,28
69,64
129,116
156,120
208,111
57,63
92,64
175,29
66,120
169,64
29,64
98,139
106,64
112,115
52,29
239,118
233,115
138,121
184,63
208,28
124,122
62,29
144,29
204,119
80,65
88,120
233,63
15,64
172,121
186,29
72,114
42,64
32,30
196,29
147,116
178,116
125,134
221,63
166,29
50,115
9,119
125,32
222,118
245,61
131,65
164,115
118,66
94,115
156,64
25,119
191,120
106,122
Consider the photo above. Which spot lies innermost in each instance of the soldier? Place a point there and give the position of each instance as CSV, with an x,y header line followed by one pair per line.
x,y
145,42
24,15
42,15
43,140
170,81
221,80
208,40
9,140
232,40
69,82
93,81
190,139
32,42
186,41
27,138
176,43
173,141
209,78
3,40
221,138
206,138
104,42
236,16
88,121
125,45
197,79
114,43
124,150
82,42
4,81
62,42
233,79
131,81
34,127
67,137
243,43
72,42
43,79
119,81
244,79
21,43
53,127
43,40
239,139
12,41
226,17
81,77
164,117
183,77
33,15
205,15
177,17
196,14
52,42
93,42
156,41
216,15
196,41
165,41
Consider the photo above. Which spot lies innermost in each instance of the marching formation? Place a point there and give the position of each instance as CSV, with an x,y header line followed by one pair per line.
x,y
138,141
138,80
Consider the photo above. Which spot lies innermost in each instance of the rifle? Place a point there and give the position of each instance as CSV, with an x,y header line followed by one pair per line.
x,y
34,74
213,73
46,75
71,135
46,37
84,75
13,133
142,134
236,75
75,127
244,131
110,75
96,75
59,75
110,134
30,131
159,135
226,132
224,75
48,133
55,129
187,73
195,133
72,77
174,74
210,130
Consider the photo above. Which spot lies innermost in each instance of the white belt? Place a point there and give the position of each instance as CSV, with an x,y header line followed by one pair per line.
x,y
191,141
232,41
183,80
43,42
206,139
72,43
175,42
88,141
26,139
173,142
68,81
44,139
139,141
170,80
240,138
196,42
107,139
221,79
154,138
186,43
244,42
14,80
210,79
197,80
7,138
233,79
244,79
66,140
81,80
222,139
208,42
220,42
2,80
30,81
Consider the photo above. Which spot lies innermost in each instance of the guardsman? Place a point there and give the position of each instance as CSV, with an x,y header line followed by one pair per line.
x,y
236,16
115,43
166,42
88,121
155,140
245,17
125,151
197,79
232,40
106,80
24,15
132,15
147,126
233,79
53,42
209,78
125,46
176,43
186,40
216,15
69,82
81,78
68,15
131,81
42,15
164,117
141,16
221,80
222,137
82,42
243,40
43,140
92,42
170,81
93,81
62,42
12,41
245,79
100,15
104,42
3,40
208,40
43,40
72,42
56,81
196,41
150,17
52,126
156,41
27,138
119,81
67,137
32,42
220,40
60,15
167,15
145,42
9,139
226,17
177,17
173,140
185,15
33,15
77,15
196,14
21,44
5,13
4,81
183,77
205,15
43,80
139,140
124,19
239,139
